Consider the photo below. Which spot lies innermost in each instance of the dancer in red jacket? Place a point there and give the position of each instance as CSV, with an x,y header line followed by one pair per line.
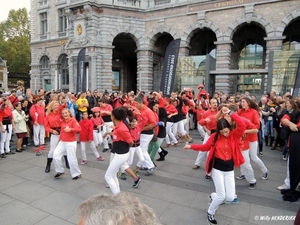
x,y
225,154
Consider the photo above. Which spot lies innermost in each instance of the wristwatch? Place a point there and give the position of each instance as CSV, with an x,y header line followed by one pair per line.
x,y
230,113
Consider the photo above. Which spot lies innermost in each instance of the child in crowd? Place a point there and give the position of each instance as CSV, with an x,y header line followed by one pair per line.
x,y
86,135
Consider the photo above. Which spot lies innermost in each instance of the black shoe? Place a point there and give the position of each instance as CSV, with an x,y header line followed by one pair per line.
x,y
77,177
207,177
252,186
10,153
3,155
49,161
20,150
58,175
47,170
211,219
161,156
105,150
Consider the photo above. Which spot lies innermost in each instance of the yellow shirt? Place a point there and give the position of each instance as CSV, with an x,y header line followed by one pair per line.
x,y
82,104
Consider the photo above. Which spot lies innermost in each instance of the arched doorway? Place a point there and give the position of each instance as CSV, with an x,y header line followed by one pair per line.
x,y
191,70
248,53
160,43
124,63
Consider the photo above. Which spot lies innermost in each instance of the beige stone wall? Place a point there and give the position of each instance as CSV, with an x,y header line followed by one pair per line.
x,y
223,18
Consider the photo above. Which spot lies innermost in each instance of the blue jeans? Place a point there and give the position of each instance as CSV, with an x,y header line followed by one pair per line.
x,y
269,128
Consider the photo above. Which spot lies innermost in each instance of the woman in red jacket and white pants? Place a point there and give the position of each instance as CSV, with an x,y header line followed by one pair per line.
x,y
37,114
224,154
68,143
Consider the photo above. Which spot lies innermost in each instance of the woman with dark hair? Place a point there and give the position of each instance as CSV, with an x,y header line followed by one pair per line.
x,y
278,113
292,121
224,155
122,140
250,111
172,112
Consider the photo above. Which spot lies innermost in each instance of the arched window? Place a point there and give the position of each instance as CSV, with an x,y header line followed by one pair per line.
x,y
45,62
251,55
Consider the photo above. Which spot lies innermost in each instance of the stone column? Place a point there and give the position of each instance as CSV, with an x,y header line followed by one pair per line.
x,y
93,73
223,63
104,74
145,70
72,75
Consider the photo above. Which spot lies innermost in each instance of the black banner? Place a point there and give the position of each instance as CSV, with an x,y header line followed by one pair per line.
x,y
169,69
296,89
81,77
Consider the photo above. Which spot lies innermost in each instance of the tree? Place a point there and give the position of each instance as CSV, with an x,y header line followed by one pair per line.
x,y
14,41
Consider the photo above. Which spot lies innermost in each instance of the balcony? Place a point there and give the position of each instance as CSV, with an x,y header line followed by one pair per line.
x,y
129,3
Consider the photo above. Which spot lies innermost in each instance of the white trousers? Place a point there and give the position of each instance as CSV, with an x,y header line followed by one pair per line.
x,y
201,155
92,146
97,135
179,127
116,161
145,140
54,139
107,128
255,158
128,163
201,130
287,179
70,148
160,140
170,135
38,134
5,138
225,189
246,168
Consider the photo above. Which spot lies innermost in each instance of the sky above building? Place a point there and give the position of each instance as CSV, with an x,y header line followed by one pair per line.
x,y
12,4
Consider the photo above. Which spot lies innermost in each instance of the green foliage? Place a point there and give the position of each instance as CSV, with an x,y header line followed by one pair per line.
x,y
14,41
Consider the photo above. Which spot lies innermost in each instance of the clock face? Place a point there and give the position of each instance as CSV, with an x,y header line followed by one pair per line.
x,y
79,29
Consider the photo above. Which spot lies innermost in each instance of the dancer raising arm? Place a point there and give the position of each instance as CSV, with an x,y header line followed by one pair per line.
x,y
224,154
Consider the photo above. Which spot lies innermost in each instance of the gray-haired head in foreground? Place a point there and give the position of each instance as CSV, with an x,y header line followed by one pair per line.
x,y
120,209
139,99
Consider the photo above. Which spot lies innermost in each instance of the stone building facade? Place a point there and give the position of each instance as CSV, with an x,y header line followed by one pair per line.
x,y
125,42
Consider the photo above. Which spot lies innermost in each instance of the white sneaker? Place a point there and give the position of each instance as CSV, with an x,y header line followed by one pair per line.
x,y
283,187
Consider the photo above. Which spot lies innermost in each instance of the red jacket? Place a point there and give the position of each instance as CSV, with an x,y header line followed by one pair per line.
x,y
233,138
37,113
86,133
253,116
6,113
69,136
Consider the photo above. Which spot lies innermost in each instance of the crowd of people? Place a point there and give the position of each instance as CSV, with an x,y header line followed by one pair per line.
x,y
233,129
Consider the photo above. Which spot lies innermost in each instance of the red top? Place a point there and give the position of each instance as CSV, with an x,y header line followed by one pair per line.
x,y
5,113
161,102
53,119
96,121
200,113
37,113
244,143
121,133
170,109
253,116
86,133
202,92
185,109
107,107
69,136
136,131
148,113
13,99
232,142
211,125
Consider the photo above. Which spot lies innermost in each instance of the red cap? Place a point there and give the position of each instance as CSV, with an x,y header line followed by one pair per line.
x,y
200,86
